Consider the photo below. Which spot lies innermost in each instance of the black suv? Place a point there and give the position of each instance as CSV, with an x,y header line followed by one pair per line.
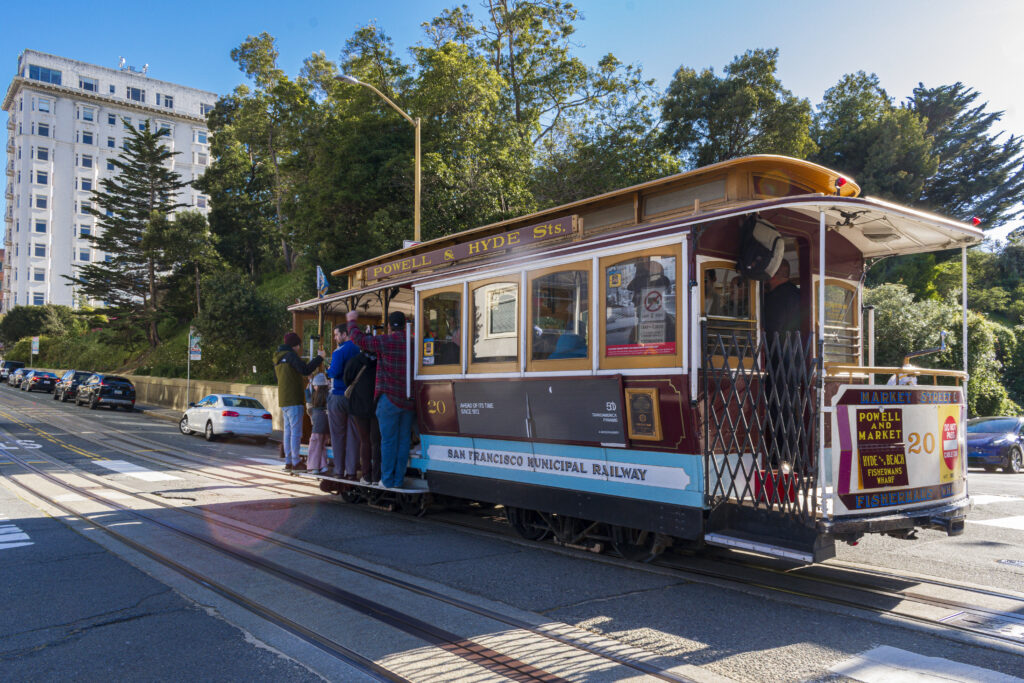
x,y
106,390
67,385
9,366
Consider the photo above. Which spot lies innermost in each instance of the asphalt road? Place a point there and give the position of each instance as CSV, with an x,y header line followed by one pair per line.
x,y
78,609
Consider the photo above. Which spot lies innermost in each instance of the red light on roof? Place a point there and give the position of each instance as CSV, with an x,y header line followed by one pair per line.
x,y
975,221
840,182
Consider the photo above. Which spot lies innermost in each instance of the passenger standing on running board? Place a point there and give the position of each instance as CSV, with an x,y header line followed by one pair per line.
x,y
290,370
337,416
395,412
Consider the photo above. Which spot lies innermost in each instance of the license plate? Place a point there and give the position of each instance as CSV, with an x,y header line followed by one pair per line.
x,y
118,392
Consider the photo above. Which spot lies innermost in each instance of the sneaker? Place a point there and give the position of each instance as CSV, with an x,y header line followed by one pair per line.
x,y
364,481
287,467
300,466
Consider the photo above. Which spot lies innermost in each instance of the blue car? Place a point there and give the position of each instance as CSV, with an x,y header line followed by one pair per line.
x,y
994,442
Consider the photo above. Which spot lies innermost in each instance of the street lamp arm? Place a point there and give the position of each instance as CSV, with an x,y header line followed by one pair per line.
x,y
388,100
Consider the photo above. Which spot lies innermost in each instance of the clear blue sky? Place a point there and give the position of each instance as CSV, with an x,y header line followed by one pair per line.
x,y
903,41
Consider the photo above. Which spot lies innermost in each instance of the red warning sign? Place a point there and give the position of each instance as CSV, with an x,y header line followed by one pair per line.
x,y
950,445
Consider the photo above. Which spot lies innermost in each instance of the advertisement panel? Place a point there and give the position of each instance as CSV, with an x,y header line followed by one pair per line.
x,y
898,448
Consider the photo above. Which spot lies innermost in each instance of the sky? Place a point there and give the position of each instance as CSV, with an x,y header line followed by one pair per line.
x,y
905,42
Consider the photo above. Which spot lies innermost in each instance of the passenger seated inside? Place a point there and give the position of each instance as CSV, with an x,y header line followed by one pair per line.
x,y
570,345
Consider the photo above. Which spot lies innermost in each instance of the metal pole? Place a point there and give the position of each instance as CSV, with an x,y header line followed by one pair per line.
x,y
408,361
869,331
963,285
821,340
188,370
416,201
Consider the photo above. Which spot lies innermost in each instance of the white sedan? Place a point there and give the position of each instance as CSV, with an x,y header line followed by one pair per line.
x,y
227,414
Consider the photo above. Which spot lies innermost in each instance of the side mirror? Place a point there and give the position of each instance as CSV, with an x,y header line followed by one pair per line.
x,y
191,405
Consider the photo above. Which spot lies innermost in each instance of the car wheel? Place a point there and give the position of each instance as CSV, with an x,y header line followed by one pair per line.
x,y
54,394
93,403
183,425
63,397
210,436
1014,463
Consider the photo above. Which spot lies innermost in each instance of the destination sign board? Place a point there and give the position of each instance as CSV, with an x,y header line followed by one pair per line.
x,y
482,246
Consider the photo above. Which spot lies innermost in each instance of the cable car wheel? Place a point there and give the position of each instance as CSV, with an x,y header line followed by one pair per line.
x,y
527,523
637,545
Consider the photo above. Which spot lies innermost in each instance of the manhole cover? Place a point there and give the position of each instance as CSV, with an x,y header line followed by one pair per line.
x,y
1012,563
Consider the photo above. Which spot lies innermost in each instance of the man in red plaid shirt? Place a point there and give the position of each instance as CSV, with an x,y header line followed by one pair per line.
x,y
395,412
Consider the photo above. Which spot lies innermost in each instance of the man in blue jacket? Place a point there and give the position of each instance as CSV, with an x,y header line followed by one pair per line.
x,y
337,418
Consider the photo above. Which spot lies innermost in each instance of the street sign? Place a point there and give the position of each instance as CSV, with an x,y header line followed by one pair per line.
x,y
195,351
35,346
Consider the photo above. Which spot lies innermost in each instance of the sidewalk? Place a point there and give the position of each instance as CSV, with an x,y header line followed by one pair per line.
x,y
172,415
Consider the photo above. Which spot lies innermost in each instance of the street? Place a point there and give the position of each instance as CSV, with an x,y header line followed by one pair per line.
x,y
213,564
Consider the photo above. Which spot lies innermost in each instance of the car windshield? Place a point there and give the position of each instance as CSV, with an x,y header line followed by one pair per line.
x,y
993,426
82,375
239,402
46,374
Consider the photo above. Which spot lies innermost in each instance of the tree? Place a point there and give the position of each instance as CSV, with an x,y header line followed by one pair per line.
x,y
980,173
30,321
708,118
143,191
190,246
859,131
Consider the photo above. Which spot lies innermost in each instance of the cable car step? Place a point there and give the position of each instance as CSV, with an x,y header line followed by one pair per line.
x,y
727,541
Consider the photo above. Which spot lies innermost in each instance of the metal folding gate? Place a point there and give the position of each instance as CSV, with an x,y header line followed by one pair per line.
x,y
760,426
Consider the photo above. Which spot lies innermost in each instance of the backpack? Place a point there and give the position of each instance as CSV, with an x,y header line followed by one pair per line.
x,y
761,249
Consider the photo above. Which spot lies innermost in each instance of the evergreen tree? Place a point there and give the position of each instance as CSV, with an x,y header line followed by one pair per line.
x,y
142,191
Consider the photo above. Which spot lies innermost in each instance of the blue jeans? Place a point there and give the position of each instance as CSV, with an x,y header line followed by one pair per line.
x,y
395,438
292,416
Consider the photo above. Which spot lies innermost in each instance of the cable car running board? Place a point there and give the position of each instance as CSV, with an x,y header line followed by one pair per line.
x,y
725,541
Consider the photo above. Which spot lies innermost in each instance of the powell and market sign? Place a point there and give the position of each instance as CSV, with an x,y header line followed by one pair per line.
x,y
522,237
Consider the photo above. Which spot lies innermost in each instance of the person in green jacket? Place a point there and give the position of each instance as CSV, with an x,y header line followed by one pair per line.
x,y
291,394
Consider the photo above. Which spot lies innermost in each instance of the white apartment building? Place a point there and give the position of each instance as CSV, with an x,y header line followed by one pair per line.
x,y
67,119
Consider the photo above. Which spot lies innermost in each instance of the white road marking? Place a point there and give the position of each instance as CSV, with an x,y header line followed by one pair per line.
x,y
12,537
69,498
886,664
266,461
133,470
1004,522
986,499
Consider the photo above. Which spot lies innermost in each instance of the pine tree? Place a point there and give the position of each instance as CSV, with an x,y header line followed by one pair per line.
x,y
144,190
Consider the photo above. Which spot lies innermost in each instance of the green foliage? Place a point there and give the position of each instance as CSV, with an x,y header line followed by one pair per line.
x,y
709,118
141,194
29,321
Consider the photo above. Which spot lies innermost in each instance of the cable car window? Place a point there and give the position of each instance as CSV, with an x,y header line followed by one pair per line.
x,y
640,318
842,323
495,318
560,315
729,305
442,333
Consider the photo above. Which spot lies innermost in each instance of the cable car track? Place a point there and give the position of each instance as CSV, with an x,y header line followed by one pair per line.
x,y
778,580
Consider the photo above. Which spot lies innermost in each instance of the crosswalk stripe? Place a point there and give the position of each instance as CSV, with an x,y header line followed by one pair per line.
x,y
885,664
1004,522
133,470
986,499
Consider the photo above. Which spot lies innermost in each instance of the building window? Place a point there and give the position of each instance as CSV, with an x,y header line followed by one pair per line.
x,y
163,128
127,121
90,84
165,100
84,230
40,201
39,250
43,153
201,137
40,226
113,90
107,258
110,165
43,105
88,114
38,275
200,201
42,129
111,119
85,184
42,178
205,109
38,299
83,255
201,159
41,73
111,143
84,208
144,125
85,137
135,94
85,161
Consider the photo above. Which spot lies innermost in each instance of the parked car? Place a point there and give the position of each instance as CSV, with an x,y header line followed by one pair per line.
x,y
9,366
67,386
106,390
994,442
14,379
39,380
222,414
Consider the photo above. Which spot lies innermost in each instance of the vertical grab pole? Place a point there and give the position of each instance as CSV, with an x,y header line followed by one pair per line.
x,y
408,360
963,287
870,332
821,345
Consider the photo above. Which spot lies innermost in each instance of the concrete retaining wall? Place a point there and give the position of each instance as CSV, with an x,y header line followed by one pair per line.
x,y
170,393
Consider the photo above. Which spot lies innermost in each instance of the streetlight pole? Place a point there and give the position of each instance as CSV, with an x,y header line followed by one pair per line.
x,y
416,125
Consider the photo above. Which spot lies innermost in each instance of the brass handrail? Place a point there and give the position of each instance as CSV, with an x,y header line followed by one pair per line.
x,y
836,369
